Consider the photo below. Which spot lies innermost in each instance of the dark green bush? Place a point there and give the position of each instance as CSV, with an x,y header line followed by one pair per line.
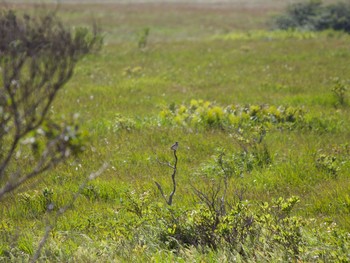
x,y
244,228
251,231
313,15
335,16
300,15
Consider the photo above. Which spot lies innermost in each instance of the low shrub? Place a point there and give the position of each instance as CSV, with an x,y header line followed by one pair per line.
x,y
303,15
252,118
205,114
331,161
315,16
340,89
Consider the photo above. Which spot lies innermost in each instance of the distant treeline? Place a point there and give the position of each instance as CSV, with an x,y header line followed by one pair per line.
x,y
314,15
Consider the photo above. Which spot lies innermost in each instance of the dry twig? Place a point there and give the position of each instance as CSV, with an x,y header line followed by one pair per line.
x,y
169,201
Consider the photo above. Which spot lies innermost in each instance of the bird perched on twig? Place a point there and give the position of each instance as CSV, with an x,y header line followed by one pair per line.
x,y
174,146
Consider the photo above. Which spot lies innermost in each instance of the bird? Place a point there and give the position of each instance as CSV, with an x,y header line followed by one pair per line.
x,y
174,146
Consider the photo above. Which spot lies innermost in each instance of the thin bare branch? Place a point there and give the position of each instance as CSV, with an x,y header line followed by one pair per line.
x,y
38,55
161,191
166,164
169,201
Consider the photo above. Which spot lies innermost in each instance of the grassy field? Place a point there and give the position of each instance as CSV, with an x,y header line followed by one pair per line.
x,y
257,115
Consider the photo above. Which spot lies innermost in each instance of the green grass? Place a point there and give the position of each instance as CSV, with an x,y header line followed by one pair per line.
x,y
119,94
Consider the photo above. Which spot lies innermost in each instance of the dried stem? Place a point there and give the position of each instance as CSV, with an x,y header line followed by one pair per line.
x,y
169,201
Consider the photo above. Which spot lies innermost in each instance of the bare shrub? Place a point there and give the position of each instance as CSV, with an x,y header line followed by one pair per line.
x,y
37,57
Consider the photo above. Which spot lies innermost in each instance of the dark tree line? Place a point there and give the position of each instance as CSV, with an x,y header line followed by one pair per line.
x,y
314,15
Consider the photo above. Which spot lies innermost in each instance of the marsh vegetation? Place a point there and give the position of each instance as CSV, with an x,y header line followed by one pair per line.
x,y
262,119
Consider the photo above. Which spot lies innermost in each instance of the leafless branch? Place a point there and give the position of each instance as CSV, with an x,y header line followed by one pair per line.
x,y
166,164
169,201
37,57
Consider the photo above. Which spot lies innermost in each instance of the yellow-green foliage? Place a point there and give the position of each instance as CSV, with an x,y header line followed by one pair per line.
x,y
200,113
270,35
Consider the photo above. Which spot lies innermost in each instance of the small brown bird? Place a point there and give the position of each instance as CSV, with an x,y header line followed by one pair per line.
x,y
174,146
